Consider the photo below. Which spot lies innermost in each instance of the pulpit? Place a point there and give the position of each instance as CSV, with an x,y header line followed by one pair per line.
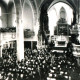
x,y
76,52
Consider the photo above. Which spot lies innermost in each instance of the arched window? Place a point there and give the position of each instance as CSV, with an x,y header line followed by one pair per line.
x,y
0,18
62,13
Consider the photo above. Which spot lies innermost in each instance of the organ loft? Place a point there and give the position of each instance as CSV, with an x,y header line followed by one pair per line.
x,y
39,40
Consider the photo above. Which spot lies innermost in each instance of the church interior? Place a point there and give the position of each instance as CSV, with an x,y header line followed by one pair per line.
x,y
39,39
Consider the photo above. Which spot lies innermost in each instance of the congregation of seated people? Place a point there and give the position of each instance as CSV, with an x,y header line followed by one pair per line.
x,y
37,65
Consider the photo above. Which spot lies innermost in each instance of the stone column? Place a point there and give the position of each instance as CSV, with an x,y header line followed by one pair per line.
x,y
0,50
78,11
19,32
46,28
78,20
1,46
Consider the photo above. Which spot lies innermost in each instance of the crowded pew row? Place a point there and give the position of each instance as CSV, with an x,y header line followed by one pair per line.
x,y
37,65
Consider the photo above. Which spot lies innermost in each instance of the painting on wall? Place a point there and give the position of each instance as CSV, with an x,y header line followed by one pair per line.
x,y
28,33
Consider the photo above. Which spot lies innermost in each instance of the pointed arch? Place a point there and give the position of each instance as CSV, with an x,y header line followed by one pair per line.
x,y
62,13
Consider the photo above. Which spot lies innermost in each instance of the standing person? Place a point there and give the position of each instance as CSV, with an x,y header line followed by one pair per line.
x,y
69,49
52,58
51,45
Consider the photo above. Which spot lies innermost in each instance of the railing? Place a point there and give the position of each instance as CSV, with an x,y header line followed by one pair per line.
x,y
8,29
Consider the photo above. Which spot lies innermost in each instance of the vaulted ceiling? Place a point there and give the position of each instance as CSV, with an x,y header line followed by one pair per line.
x,y
46,4
41,5
36,4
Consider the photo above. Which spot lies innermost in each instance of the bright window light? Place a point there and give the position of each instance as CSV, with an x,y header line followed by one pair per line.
x,y
0,18
7,1
0,11
54,15
0,23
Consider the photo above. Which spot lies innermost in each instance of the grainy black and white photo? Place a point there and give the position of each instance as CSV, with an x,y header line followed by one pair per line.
x,y
39,39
